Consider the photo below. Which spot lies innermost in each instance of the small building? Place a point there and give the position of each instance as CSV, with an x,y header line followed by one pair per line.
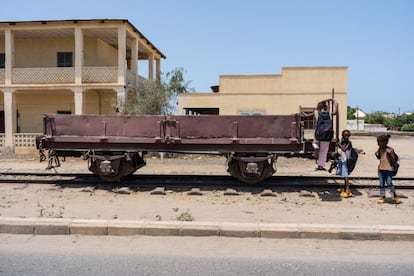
x,y
67,66
295,90
359,114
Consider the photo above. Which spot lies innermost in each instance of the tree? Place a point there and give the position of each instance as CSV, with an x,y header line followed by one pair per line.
x,y
176,83
377,117
155,97
350,113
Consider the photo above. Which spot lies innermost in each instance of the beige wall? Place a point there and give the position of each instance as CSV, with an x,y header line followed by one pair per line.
x,y
100,102
199,100
98,53
30,53
31,109
42,52
274,94
310,80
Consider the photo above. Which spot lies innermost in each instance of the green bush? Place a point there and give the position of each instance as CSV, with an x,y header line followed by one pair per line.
x,y
408,127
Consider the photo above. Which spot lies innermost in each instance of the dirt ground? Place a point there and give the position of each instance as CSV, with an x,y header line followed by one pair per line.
x,y
288,206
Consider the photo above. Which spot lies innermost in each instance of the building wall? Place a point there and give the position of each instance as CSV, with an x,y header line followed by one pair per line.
x,y
100,102
40,52
31,109
199,100
2,45
98,53
275,94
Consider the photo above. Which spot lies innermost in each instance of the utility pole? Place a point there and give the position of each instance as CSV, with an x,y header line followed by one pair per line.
x,y
357,117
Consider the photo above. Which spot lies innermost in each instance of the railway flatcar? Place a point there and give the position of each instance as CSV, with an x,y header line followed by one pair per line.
x,y
115,145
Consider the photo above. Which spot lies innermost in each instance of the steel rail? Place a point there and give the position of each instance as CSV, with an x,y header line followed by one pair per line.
x,y
200,181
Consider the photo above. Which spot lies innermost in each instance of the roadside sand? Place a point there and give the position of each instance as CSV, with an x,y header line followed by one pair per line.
x,y
35,200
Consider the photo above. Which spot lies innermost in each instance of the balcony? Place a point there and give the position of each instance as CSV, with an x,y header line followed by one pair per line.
x,y
65,75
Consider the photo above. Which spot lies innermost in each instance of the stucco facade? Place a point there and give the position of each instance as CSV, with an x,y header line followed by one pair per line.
x,y
286,93
67,66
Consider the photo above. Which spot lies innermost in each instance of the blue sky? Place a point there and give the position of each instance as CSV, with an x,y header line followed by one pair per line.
x,y
375,39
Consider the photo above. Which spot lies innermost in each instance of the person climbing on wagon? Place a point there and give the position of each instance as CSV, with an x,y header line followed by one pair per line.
x,y
324,130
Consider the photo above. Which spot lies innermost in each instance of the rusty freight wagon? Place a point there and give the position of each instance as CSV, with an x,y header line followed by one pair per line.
x,y
115,145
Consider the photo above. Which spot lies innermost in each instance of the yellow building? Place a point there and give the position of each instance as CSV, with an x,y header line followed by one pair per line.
x,y
296,89
66,66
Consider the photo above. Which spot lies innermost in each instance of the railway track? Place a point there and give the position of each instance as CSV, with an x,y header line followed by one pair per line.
x,y
141,181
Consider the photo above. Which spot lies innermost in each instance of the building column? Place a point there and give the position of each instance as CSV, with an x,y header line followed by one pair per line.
x,y
8,52
134,60
122,94
158,67
121,54
79,100
10,120
78,55
151,66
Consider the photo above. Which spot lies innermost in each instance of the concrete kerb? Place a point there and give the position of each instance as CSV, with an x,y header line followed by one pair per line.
x,y
58,226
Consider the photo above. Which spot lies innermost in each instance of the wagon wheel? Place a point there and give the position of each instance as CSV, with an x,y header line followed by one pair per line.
x,y
237,168
119,168
134,164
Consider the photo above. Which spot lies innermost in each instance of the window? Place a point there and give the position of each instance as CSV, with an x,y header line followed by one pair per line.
x,y
64,59
64,112
2,60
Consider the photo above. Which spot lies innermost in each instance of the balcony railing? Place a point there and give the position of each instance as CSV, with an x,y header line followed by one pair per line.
x,y
65,75
2,76
99,74
52,75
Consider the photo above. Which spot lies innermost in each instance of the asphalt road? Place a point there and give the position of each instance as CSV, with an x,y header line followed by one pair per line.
x,y
141,255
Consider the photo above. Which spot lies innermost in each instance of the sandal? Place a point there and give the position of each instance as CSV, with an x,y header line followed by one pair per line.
x,y
397,200
346,195
381,201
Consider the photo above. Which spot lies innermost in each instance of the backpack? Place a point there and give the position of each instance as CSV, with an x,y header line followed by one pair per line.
x,y
352,160
394,163
324,127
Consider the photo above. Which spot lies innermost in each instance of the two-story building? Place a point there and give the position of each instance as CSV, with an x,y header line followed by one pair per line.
x,y
67,66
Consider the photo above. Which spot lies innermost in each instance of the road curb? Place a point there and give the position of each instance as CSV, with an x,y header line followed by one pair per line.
x,y
102,227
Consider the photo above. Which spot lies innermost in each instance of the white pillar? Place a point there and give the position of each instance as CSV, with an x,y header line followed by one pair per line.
x,y
9,119
79,100
122,98
121,54
151,66
78,55
9,49
134,60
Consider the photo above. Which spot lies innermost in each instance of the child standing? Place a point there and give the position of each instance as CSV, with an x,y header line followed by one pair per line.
x,y
345,147
386,156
